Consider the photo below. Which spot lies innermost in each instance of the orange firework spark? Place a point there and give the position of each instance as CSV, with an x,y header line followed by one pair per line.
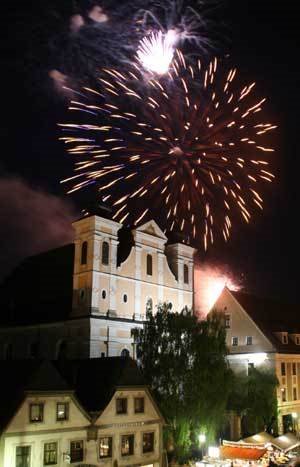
x,y
185,148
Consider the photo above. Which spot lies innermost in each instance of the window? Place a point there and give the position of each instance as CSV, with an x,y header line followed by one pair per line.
x,y
284,338
23,456
139,405
127,445
105,447
149,305
76,451
297,340
125,353
102,354
249,340
227,320
84,250
235,341
295,395
125,298
121,405
36,413
50,453
148,442
105,253
294,369
185,274
62,411
149,265
82,294
103,294
283,394
283,372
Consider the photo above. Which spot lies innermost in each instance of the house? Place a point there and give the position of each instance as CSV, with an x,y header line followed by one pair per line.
x,y
82,300
96,412
266,334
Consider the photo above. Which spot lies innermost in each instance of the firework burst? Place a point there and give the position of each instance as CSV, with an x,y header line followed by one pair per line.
x,y
186,149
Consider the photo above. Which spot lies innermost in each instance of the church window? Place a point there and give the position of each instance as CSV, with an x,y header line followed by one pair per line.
x,y
185,274
105,253
125,298
84,250
125,353
149,305
149,265
103,294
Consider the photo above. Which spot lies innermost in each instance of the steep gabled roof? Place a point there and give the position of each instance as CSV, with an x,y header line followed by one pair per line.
x,y
272,317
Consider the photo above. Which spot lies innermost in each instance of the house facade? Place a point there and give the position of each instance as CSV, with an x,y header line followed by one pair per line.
x,y
265,335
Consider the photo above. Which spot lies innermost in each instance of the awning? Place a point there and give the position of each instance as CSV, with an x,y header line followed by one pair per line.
x,y
260,438
240,452
286,442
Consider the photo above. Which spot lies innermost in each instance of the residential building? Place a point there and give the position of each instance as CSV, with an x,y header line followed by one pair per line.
x,y
266,334
100,414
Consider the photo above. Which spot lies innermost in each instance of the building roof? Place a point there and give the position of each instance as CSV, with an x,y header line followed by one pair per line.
x,y
272,317
95,380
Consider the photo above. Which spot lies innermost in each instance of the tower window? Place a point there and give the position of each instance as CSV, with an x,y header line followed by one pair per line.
x,y
149,265
84,251
105,253
185,274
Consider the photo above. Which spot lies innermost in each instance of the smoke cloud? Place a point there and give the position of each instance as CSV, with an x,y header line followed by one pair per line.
x,y
31,221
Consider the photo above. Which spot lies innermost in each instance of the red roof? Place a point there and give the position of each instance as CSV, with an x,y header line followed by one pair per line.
x,y
237,452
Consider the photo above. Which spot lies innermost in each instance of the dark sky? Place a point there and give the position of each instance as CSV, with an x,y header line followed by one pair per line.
x,y
262,37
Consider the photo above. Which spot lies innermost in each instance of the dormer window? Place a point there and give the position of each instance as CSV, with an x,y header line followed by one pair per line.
x,y
284,338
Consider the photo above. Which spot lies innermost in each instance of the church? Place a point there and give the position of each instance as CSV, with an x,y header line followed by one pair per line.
x,y
82,300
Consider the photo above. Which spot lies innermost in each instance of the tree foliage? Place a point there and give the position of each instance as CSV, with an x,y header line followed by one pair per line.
x,y
184,361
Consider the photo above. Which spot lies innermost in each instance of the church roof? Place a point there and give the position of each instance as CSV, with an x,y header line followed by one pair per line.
x,y
272,317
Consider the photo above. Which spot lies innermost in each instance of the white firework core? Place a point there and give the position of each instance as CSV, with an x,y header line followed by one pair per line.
x,y
156,51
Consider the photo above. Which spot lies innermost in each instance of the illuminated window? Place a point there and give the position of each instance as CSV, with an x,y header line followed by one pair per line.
x,y
294,368
105,253
62,411
105,447
249,340
235,341
185,274
149,265
139,405
23,456
283,370
295,395
36,413
76,451
84,250
121,405
127,445
148,442
50,453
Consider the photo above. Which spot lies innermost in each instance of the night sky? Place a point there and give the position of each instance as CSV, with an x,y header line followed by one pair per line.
x,y
262,38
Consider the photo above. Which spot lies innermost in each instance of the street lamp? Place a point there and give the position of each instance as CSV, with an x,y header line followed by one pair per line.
x,y
202,439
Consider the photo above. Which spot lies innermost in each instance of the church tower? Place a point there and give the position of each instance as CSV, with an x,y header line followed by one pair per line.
x,y
95,265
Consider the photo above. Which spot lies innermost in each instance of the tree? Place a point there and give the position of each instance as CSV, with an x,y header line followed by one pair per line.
x,y
253,397
184,361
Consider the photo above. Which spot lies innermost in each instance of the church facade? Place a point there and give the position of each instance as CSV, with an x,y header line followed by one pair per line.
x,y
108,299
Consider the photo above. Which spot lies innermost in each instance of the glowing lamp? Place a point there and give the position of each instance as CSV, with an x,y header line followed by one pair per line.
x,y
202,438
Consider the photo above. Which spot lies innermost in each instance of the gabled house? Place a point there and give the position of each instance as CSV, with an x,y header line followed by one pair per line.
x,y
96,412
263,333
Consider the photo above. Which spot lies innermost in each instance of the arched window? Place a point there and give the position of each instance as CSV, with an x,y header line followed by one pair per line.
x,y
185,274
84,251
149,265
105,253
34,350
149,305
125,353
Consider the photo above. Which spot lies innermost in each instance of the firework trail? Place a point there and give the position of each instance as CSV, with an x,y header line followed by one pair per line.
x,y
186,149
